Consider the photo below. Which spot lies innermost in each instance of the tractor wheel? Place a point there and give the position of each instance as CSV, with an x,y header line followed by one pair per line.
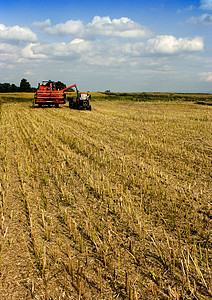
x,y
89,107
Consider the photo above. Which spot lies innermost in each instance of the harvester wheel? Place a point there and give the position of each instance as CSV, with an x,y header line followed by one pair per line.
x,y
56,105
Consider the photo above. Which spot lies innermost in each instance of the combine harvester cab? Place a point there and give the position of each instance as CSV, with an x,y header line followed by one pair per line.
x,y
47,94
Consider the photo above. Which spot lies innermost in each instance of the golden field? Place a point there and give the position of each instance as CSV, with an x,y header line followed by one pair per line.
x,y
109,204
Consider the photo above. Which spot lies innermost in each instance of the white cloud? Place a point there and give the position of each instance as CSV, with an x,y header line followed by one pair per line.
x,y
43,24
101,26
164,45
204,19
16,33
189,8
77,41
168,44
8,48
111,52
78,51
206,76
28,73
69,28
135,49
49,51
123,27
28,52
10,67
85,47
206,4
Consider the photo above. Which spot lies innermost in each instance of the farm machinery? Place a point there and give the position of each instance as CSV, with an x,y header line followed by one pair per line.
x,y
81,101
48,94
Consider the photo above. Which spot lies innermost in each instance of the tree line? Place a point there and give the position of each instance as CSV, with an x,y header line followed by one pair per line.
x,y
24,87
12,88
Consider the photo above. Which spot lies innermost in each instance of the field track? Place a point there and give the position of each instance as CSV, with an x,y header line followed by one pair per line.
x,y
109,204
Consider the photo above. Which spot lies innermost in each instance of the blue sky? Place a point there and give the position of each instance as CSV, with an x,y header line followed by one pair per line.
x,y
132,46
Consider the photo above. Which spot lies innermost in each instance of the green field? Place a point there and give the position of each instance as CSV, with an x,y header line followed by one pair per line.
x,y
109,204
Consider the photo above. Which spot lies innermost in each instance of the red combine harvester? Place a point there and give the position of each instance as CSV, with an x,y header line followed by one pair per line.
x,y
47,94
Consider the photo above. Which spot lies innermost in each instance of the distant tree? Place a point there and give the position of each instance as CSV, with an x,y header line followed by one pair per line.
x,y
59,85
25,86
14,88
4,87
33,89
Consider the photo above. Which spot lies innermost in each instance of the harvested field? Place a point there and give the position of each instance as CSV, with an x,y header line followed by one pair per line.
x,y
109,204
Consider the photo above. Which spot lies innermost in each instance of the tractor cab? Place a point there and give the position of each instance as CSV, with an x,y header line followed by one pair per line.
x,y
80,102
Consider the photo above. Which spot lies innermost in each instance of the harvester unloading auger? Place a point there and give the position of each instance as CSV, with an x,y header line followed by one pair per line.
x,y
47,94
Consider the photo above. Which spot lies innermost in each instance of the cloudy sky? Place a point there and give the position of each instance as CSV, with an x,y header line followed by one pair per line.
x,y
120,45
